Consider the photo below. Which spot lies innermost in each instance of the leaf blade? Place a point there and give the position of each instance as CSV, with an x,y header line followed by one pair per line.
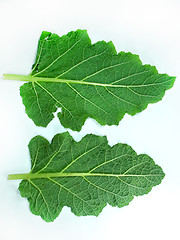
x,y
85,175
86,80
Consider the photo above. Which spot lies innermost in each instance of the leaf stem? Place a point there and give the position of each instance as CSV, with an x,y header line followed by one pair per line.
x,y
61,174
24,78
30,78
17,176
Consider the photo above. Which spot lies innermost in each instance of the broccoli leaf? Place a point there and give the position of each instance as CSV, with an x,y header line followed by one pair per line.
x,y
84,175
86,80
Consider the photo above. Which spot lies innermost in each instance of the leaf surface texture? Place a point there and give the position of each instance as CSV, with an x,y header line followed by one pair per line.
x,y
86,80
84,175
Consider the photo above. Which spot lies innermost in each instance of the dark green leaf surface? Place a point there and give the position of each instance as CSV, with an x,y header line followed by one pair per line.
x,y
84,175
86,80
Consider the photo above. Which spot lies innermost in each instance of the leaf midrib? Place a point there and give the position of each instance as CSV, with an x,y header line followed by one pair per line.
x,y
30,78
78,174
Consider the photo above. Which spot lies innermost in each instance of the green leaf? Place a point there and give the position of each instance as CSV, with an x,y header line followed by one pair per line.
x,y
86,80
84,175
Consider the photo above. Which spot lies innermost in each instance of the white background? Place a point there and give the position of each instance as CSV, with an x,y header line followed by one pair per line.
x,y
150,29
